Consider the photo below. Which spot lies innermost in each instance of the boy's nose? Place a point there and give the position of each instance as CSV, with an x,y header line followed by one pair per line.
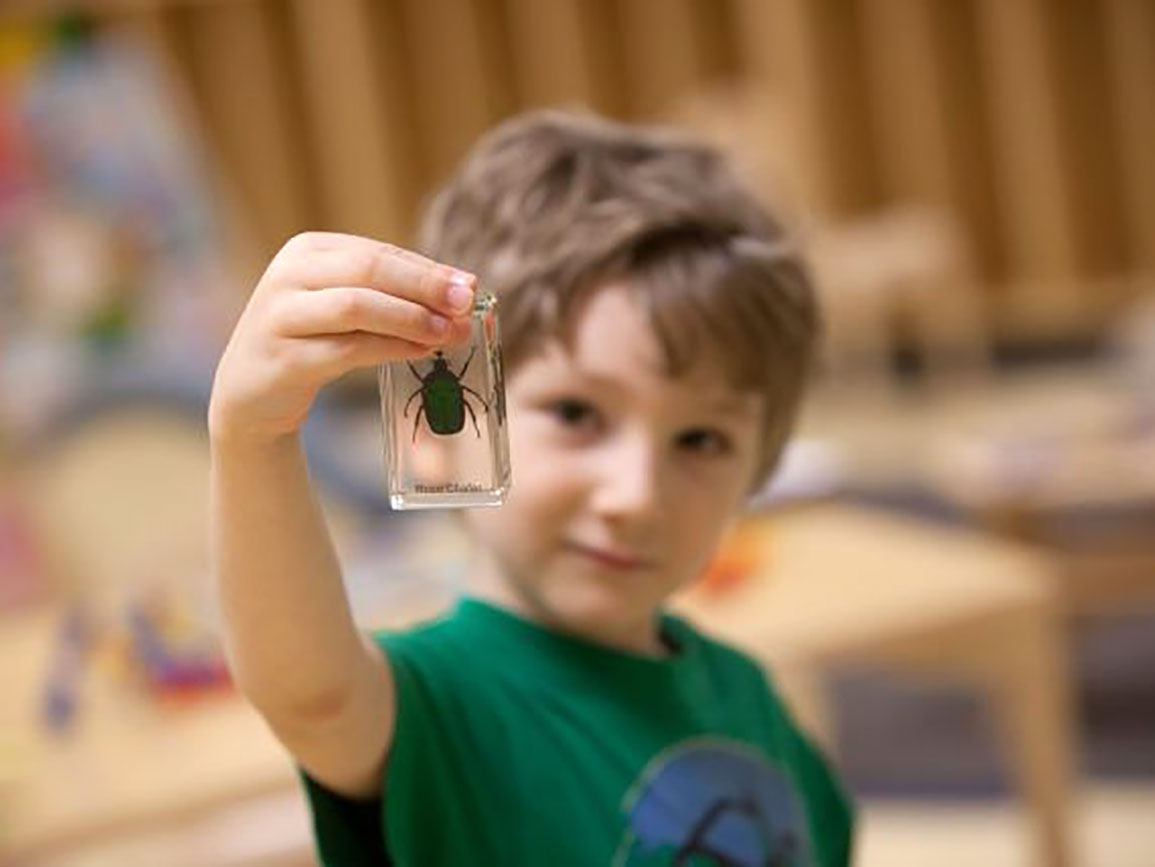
x,y
630,486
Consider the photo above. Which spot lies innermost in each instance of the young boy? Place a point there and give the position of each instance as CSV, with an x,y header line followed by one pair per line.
x,y
657,331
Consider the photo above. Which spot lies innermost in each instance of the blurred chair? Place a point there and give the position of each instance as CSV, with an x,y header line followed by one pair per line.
x,y
898,277
904,266
841,584
1086,497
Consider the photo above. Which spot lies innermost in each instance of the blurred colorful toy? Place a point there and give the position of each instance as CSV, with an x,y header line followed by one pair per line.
x,y
156,644
177,659
741,555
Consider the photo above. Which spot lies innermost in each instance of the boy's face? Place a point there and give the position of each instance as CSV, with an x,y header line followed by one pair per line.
x,y
623,480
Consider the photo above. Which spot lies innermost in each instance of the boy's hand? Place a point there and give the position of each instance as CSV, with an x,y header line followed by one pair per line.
x,y
326,304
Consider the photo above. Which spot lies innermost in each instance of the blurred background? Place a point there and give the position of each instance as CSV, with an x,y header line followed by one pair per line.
x,y
953,575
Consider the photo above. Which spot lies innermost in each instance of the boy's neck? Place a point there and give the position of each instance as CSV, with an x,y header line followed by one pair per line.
x,y
643,639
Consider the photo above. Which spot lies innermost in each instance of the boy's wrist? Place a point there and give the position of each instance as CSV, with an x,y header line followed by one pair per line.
x,y
224,439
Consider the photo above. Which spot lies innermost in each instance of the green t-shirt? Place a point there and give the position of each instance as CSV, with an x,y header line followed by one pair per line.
x,y
516,745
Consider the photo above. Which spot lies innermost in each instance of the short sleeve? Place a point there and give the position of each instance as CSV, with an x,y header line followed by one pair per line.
x,y
348,832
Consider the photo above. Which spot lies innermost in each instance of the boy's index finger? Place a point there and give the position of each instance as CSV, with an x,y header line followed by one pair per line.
x,y
403,272
330,260
410,275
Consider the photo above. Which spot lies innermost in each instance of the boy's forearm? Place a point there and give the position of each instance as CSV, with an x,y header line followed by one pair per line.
x,y
291,640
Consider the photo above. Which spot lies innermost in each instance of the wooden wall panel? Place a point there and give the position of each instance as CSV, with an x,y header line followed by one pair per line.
x,y
1031,120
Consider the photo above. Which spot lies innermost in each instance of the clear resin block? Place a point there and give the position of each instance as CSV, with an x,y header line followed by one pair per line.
x,y
446,445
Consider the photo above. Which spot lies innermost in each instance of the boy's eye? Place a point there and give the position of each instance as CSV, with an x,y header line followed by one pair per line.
x,y
574,413
705,441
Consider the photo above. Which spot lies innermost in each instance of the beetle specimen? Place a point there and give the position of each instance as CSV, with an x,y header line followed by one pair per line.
x,y
443,400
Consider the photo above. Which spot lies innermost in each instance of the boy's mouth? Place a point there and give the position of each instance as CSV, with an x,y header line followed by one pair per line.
x,y
610,559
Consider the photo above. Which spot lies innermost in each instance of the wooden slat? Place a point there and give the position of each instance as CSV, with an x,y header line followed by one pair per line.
x,y
781,52
1041,233
666,57
608,47
810,53
965,115
457,86
846,106
554,53
358,120
909,112
1087,136
236,69
1130,37
718,36
928,117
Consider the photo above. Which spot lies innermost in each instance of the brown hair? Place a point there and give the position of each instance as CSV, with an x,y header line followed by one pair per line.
x,y
552,205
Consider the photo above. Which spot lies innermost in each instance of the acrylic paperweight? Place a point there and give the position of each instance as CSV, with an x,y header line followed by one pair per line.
x,y
446,445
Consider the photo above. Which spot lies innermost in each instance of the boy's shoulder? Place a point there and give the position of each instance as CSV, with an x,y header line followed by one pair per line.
x,y
472,648
428,634
444,633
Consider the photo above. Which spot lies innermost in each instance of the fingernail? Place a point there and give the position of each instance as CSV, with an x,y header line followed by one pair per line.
x,y
438,324
460,294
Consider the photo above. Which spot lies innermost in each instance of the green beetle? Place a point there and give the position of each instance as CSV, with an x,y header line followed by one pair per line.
x,y
443,400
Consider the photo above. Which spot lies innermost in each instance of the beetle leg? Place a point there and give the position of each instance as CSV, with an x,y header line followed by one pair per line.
x,y
412,397
417,421
475,394
476,429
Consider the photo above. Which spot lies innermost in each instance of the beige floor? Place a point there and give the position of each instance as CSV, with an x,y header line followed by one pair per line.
x,y
270,832
1115,828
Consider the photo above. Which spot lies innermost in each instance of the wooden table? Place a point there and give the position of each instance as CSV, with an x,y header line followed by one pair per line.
x,y
842,583
1088,499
